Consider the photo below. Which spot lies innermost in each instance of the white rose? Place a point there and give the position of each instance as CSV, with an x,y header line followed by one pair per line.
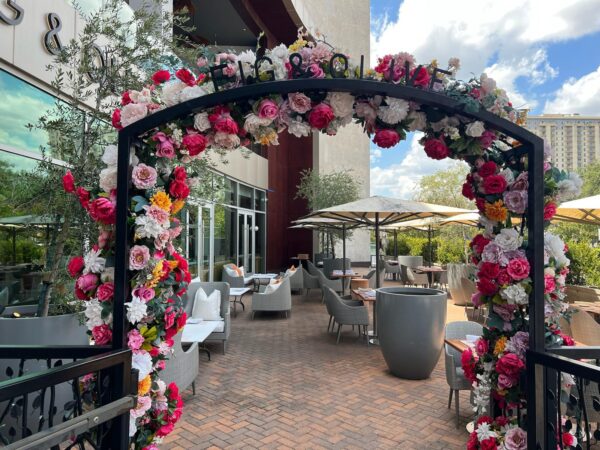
x,y
342,103
201,122
132,113
136,310
419,121
108,178
142,361
247,58
515,295
508,239
395,111
475,129
143,96
253,123
227,141
190,93
299,128
171,92
111,155
280,52
555,248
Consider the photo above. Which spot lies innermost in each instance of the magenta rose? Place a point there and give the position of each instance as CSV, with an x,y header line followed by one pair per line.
x,y
510,365
315,71
164,145
225,124
494,184
549,210
135,340
139,255
503,277
102,334
179,189
103,210
436,148
386,138
518,268
268,109
422,77
195,143
482,346
487,168
321,116
299,102
505,382
487,139
516,201
105,292
143,176
144,293
549,284
75,266
87,282
68,182
487,286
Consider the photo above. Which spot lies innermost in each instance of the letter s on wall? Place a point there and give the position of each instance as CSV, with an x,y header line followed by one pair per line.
x,y
19,13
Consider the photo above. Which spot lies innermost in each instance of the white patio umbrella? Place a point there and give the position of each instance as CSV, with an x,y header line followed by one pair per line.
x,y
584,210
377,211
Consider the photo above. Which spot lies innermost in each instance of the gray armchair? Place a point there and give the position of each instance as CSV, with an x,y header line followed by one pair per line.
x,y
391,269
296,280
312,269
309,281
417,279
454,373
331,264
372,280
325,282
221,333
236,282
280,300
468,289
347,313
183,365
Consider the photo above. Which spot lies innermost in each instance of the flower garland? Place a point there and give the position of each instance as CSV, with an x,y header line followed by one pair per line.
x,y
161,185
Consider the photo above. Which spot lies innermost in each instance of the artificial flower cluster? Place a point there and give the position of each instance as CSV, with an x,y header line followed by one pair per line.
x,y
158,278
496,434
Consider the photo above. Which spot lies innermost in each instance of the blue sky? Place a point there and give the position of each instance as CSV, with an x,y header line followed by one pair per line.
x,y
546,54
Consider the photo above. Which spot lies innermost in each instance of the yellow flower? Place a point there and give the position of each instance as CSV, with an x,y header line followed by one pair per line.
x,y
299,44
177,206
496,211
162,200
144,385
157,272
500,344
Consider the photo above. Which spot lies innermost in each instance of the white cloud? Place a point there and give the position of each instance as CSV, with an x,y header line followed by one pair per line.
x,y
400,180
375,154
509,35
577,96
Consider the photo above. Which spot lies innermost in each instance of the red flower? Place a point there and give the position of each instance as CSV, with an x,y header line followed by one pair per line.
x,y
501,421
105,291
217,112
161,76
75,266
225,124
487,169
489,444
195,143
503,277
467,190
479,242
173,391
126,99
494,184
186,76
103,210
480,203
422,78
467,361
489,270
567,340
181,320
510,365
473,443
386,138
487,286
169,317
81,295
321,116
84,197
68,182
436,148
179,189
482,346
116,119
165,429
484,419
568,439
518,268
102,334
179,173
549,210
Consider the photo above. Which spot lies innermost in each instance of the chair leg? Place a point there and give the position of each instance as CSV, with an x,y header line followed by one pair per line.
x,y
456,398
329,324
339,332
450,399
193,388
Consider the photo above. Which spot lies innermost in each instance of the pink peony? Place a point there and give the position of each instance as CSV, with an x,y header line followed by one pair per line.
x,y
518,268
516,201
225,124
87,282
386,138
158,214
139,255
510,365
75,266
135,340
436,148
487,139
105,292
268,109
195,143
103,210
143,176
164,145
315,71
145,293
102,334
321,116
521,183
299,102
549,284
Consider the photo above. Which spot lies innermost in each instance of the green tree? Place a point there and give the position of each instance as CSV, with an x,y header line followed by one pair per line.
x,y
591,179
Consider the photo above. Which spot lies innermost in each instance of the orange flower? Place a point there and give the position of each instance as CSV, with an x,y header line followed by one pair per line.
x,y
173,264
162,200
496,211
500,345
144,385
177,206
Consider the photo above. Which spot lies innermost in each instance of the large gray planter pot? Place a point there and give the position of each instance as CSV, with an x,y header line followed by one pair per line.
x,y
410,327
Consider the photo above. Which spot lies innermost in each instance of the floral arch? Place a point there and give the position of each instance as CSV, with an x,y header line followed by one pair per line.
x,y
230,100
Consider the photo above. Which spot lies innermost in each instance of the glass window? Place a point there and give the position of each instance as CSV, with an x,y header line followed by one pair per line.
x,y
260,200
261,242
224,190
225,239
245,198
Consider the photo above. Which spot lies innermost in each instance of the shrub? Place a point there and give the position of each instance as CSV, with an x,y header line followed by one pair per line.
x,y
585,264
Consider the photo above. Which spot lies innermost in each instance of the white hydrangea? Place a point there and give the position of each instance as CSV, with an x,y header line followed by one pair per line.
x,y
570,187
508,239
136,310
143,96
475,129
93,314
142,361
298,128
342,103
191,92
201,122
395,111
419,121
111,155
515,294
555,248
171,92
93,262
108,178
132,113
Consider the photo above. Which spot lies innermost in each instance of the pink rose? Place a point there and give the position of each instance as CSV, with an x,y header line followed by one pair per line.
x,y
139,255
386,138
104,238
316,71
321,116
299,102
144,293
164,145
105,291
436,148
487,139
510,365
518,268
476,299
482,346
505,382
87,282
549,210
132,113
103,210
195,143
143,176
268,109
162,239
135,340
225,124
515,439
549,284
521,183
102,334
516,201
165,429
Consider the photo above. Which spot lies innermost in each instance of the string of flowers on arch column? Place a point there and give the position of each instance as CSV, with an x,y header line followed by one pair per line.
x,y
161,183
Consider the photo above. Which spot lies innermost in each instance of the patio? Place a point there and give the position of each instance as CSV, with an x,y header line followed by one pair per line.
x,y
285,384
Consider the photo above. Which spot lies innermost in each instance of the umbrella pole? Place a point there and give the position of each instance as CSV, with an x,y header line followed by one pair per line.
x,y
344,248
377,251
430,249
396,244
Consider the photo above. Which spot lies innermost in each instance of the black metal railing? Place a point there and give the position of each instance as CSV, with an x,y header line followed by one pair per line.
x,y
563,386
75,396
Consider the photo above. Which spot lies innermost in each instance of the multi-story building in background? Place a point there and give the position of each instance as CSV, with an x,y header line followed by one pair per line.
x,y
575,139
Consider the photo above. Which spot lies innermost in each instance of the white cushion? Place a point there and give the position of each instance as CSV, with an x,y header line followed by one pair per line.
x,y
207,307
271,287
230,271
220,325
242,271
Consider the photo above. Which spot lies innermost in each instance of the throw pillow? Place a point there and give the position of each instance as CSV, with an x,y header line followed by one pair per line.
x,y
272,287
242,271
207,307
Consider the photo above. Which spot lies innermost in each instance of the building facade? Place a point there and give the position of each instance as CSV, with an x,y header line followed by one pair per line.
x,y
575,139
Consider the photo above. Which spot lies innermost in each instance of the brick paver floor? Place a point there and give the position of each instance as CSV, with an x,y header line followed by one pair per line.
x,y
284,383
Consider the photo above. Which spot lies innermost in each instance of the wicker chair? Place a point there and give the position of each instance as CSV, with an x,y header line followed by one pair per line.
x,y
454,372
416,279
309,281
280,300
347,313
237,281
183,365
215,336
